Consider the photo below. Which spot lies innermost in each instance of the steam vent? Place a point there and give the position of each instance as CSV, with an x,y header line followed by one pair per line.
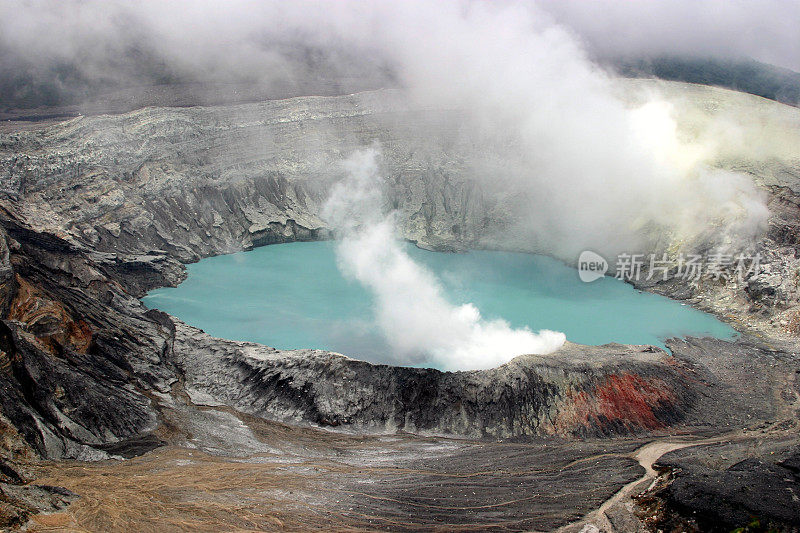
x,y
422,266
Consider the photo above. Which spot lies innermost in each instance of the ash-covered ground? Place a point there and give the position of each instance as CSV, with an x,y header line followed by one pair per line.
x,y
216,434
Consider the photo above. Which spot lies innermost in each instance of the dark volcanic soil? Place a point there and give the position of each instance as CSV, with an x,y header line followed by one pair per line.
x,y
296,479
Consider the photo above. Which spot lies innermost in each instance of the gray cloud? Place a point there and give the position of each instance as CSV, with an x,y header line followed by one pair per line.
x,y
765,30
55,51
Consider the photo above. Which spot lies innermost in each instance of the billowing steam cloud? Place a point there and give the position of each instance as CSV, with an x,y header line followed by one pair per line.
x,y
581,169
587,172
418,322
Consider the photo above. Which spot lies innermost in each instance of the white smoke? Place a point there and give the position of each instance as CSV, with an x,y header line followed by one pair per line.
x,y
586,170
548,124
417,320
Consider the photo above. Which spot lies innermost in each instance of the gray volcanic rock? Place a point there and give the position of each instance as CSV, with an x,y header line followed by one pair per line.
x,y
201,181
19,502
73,352
576,391
95,211
62,410
765,299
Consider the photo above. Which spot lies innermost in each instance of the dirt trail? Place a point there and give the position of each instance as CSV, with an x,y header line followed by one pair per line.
x,y
650,453
646,456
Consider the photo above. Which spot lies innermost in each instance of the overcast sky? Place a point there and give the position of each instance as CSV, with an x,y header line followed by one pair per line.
x,y
208,37
766,30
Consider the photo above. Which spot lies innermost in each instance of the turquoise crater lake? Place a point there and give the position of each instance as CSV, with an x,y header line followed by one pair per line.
x,y
293,296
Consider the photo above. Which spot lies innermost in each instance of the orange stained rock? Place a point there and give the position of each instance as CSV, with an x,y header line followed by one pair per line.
x,y
49,319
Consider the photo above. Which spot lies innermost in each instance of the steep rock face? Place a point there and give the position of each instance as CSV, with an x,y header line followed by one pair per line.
x,y
199,181
61,409
588,391
766,299
577,391
75,350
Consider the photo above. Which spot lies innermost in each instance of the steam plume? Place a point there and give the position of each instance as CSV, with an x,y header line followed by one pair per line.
x,y
585,171
420,325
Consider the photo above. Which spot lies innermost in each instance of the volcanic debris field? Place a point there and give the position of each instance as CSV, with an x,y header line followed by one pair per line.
x,y
119,417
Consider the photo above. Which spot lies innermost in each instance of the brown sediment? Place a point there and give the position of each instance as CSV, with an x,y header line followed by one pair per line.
x,y
48,319
316,480
175,489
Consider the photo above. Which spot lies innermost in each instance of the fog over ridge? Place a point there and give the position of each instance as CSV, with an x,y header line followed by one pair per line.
x,y
583,169
729,29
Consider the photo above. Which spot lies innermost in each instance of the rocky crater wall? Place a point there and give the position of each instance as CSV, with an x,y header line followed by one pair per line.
x,y
98,210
